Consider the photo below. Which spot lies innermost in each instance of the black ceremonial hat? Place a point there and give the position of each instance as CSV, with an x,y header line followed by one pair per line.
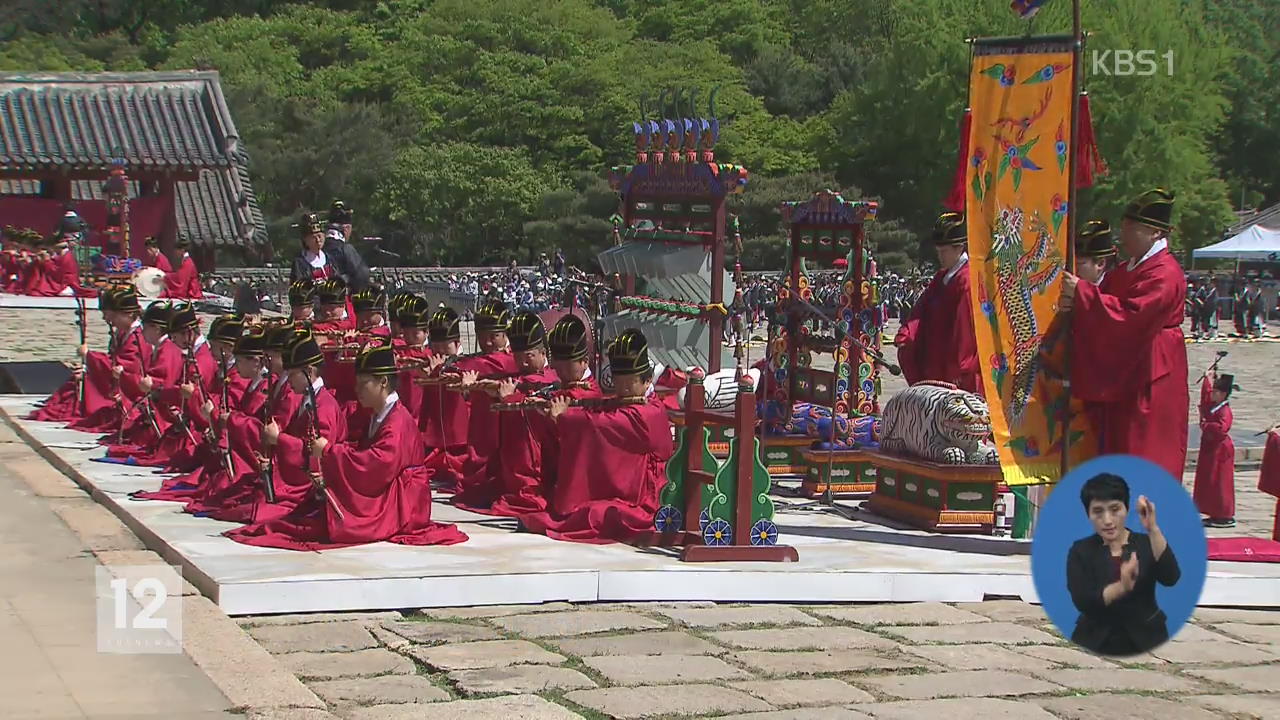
x,y
377,359
301,351
302,293
332,292
252,343
397,300
308,223
526,332
158,313
444,326
278,336
227,328
493,316
1095,240
950,229
629,354
1226,383
339,213
370,299
183,317
414,312
151,241
1153,208
568,339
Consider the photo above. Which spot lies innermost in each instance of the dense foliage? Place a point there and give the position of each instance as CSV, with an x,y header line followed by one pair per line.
x,y
469,131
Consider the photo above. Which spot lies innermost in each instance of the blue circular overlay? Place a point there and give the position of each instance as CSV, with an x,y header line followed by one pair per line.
x,y
1063,521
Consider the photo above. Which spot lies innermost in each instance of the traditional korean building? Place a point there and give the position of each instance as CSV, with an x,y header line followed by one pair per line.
x,y
172,132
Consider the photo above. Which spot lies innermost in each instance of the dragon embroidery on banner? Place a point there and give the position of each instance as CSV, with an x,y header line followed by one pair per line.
x,y
1019,273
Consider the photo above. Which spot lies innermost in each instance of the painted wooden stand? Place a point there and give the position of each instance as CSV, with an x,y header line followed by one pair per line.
x,y
782,454
717,437
933,497
719,514
854,475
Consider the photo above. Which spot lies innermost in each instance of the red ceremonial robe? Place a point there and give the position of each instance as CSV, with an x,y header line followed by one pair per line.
x,y
289,475
484,434
444,420
62,273
937,341
31,281
410,392
164,369
128,353
1215,488
517,488
159,261
1129,361
612,465
178,445
183,283
99,389
191,458
378,482
1269,478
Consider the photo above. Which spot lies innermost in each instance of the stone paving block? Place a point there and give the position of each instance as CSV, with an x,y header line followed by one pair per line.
x,y
918,613
484,654
633,703
361,663
804,692
729,616
1064,655
970,683
1107,706
1213,652
1000,633
1258,634
803,638
518,679
977,657
1256,678
645,669
648,643
388,639
440,633
367,618
380,690
1242,615
510,707
492,611
959,708
1120,680
291,714
820,662
96,527
1256,707
319,637
1006,610
823,713
575,622
1195,633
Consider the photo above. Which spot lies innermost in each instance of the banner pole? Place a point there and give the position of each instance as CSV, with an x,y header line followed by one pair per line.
x,y
1077,51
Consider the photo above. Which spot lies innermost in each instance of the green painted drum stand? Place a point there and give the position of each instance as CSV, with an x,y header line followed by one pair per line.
x,y
854,475
934,497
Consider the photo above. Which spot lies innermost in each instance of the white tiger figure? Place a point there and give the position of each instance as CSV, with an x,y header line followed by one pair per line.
x,y
939,422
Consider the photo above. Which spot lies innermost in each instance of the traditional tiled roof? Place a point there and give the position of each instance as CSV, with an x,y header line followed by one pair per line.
x,y
155,122
1268,217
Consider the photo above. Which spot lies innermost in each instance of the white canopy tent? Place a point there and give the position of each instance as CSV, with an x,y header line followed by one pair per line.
x,y
1254,243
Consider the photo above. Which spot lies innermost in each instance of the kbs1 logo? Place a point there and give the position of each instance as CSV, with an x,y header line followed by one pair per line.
x,y
1124,63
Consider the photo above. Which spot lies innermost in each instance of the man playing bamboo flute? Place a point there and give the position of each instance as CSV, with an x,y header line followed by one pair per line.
x,y
516,485
1129,359
937,341
493,361
445,415
612,459
1215,489
302,298
120,310
412,346
368,485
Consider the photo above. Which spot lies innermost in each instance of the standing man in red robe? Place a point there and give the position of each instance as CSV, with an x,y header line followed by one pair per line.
x,y
1128,356
937,341
613,458
152,257
1215,488
369,486
185,281
1269,476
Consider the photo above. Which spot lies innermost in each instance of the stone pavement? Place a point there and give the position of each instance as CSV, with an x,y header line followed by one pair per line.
x,y
995,659
50,667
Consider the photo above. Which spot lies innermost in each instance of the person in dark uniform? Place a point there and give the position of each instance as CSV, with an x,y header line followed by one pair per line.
x,y
1112,574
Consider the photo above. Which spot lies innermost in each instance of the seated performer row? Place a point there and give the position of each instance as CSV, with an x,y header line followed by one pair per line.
x,y
248,417
31,264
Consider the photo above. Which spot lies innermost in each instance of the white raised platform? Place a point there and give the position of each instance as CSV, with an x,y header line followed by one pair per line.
x,y
840,560
28,302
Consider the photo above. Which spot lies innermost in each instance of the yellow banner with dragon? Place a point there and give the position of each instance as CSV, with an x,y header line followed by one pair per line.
x,y
1020,134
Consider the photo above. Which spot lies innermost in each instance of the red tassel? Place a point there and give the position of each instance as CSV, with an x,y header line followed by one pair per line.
x,y
955,201
1089,162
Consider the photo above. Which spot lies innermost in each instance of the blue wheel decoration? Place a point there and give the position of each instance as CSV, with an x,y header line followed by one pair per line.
x,y
703,520
868,386
717,533
764,532
668,519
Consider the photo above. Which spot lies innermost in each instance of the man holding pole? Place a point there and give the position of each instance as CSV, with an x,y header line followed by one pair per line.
x,y
1129,360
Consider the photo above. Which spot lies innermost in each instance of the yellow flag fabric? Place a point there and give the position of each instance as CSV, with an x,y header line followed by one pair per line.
x,y
1020,133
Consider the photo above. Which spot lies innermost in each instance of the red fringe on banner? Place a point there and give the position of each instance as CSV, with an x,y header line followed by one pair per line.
x,y
959,183
1089,162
